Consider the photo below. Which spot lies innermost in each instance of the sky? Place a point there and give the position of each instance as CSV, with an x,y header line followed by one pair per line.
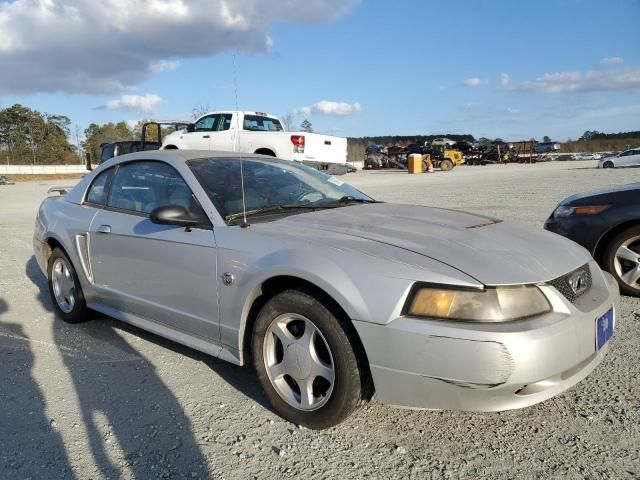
x,y
507,69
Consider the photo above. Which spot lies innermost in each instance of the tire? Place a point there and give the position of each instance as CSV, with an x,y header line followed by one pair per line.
x,y
70,307
608,164
622,258
446,165
296,316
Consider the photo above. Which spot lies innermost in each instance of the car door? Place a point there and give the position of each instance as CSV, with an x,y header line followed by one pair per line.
x,y
162,273
625,159
634,158
222,134
200,137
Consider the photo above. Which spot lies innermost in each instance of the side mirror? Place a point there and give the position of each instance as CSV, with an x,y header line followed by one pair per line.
x,y
177,215
191,127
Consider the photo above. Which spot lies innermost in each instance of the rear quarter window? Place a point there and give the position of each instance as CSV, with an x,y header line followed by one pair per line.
x,y
97,193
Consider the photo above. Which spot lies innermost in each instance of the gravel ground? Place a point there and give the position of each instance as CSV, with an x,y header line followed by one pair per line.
x,y
106,400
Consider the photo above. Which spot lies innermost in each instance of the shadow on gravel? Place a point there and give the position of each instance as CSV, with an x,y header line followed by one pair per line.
x,y
25,430
242,379
123,401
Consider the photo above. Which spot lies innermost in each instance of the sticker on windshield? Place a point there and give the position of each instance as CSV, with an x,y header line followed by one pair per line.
x,y
335,181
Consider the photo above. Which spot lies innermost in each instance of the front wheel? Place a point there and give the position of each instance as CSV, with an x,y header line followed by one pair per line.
x,y
446,165
608,164
307,361
64,288
622,260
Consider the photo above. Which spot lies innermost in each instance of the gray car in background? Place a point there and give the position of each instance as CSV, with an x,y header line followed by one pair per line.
x,y
331,295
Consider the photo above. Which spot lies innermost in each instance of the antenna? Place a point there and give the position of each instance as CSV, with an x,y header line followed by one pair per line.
x,y
235,88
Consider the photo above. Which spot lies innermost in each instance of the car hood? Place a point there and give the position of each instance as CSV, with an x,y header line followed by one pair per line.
x,y
609,194
491,251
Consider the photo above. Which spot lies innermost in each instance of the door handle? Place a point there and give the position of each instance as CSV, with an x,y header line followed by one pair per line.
x,y
104,229
206,136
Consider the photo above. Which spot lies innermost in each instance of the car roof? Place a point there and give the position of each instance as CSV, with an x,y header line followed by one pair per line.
x,y
173,156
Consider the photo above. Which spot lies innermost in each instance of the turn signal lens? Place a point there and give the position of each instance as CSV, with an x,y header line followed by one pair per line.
x,y
565,210
499,304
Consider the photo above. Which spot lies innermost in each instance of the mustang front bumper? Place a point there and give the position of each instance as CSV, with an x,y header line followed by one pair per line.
x,y
422,363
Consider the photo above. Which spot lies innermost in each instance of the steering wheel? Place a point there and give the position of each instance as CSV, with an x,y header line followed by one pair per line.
x,y
311,197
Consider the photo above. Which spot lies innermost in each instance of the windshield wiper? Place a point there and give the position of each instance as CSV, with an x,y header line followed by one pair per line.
x,y
260,211
305,206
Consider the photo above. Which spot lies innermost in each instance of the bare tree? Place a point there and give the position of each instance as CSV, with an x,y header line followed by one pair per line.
x,y
287,121
199,110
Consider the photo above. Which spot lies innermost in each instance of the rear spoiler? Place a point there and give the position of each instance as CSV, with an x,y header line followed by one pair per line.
x,y
59,190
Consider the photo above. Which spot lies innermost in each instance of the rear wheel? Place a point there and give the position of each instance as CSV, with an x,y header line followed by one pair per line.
x,y
306,361
446,165
622,260
65,290
608,164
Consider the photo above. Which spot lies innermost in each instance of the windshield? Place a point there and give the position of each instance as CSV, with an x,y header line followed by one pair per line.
x,y
270,183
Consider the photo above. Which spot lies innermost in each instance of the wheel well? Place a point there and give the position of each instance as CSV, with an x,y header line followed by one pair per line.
x,y
51,244
604,240
265,151
275,285
171,147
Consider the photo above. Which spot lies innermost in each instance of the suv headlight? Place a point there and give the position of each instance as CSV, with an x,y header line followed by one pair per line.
x,y
499,304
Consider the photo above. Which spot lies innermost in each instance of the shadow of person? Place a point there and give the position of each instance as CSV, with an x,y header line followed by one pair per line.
x,y
30,446
242,379
123,402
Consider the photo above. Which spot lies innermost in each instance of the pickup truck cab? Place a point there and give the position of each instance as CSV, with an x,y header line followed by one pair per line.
x,y
260,133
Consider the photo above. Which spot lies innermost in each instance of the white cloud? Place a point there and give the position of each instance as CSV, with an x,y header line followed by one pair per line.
x,y
328,108
513,110
473,82
88,46
134,103
592,81
163,65
611,61
505,79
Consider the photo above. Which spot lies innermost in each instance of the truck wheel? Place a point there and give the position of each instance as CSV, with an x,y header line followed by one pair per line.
x,y
307,361
446,165
622,260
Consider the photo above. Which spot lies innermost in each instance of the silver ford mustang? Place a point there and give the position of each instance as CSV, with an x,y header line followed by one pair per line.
x,y
332,295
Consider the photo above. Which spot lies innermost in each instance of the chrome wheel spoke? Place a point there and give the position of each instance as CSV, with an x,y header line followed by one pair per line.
x,y
277,371
625,253
281,331
631,277
320,369
307,399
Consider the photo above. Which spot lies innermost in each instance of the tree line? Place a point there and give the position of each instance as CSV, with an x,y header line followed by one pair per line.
x,y
31,137
28,136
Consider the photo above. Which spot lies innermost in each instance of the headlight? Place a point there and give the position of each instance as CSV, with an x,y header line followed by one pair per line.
x,y
499,304
566,211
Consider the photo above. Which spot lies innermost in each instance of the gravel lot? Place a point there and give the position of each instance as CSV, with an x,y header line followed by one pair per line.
x,y
105,400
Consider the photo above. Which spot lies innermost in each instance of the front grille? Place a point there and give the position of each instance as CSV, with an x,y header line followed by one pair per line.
x,y
563,283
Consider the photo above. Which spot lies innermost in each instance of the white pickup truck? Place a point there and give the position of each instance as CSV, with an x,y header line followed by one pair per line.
x,y
257,132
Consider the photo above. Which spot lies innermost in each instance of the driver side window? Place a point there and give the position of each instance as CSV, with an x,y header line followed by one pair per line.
x,y
143,186
206,124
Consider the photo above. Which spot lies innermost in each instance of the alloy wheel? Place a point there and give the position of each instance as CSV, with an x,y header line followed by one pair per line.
x,y
64,288
299,362
627,262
